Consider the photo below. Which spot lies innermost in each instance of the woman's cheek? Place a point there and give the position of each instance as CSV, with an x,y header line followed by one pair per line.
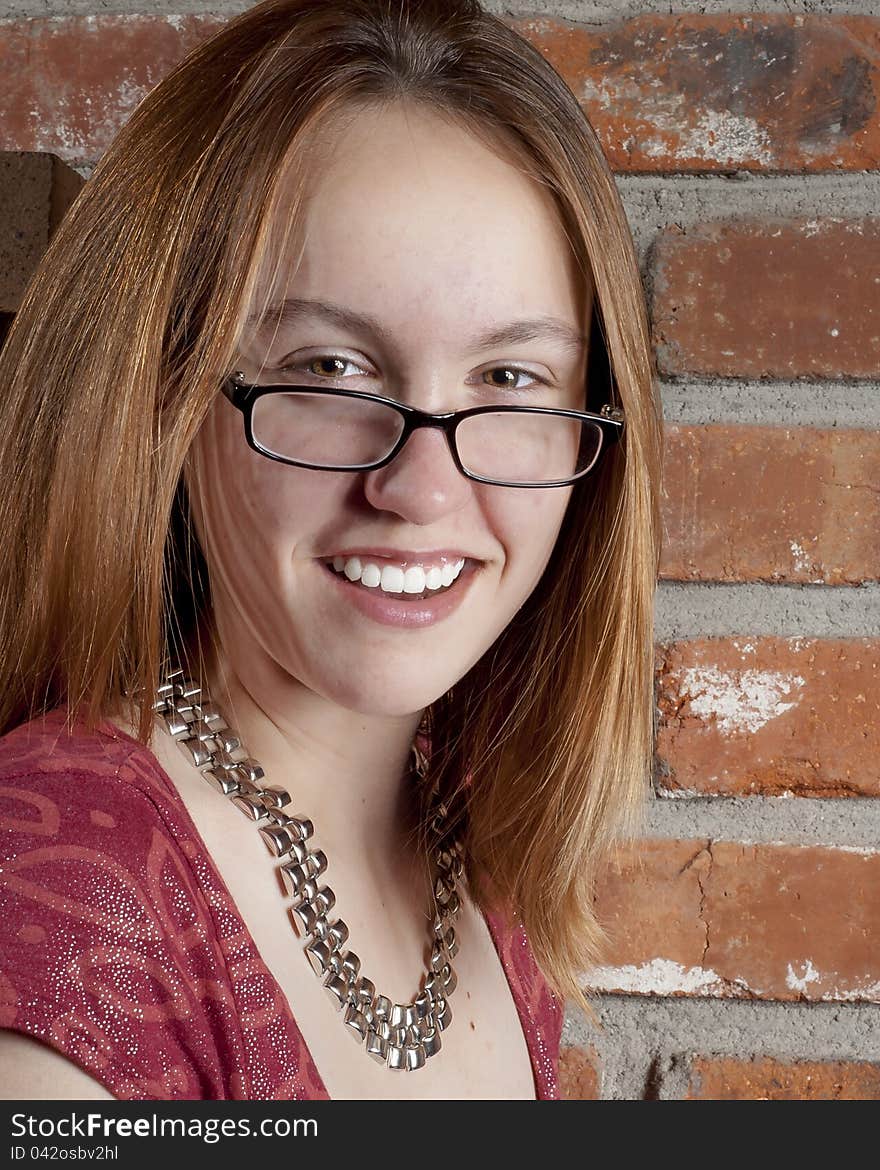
x,y
526,523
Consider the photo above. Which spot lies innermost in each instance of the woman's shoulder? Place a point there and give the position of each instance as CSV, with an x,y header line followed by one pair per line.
x,y
49,765
51,743
105,938
119,944
87,824
90,827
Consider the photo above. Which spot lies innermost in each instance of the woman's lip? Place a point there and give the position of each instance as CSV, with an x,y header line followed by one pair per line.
x,y
404,557
389,609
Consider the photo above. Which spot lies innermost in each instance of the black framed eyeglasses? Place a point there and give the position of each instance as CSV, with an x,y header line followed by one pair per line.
x,y
325,428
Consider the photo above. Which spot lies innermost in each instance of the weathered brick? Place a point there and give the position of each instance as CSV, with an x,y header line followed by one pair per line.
x,y
683,92
67,84
766,1079
768,298
749,503
724,919
766,716
578,1073
689,92
35,192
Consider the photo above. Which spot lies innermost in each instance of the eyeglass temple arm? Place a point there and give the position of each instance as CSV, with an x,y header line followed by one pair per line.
x,y
234,386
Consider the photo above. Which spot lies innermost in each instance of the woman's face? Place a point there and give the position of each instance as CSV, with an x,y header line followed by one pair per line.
x,y
413,223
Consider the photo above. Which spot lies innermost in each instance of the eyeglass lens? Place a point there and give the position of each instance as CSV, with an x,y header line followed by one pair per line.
x,y
336,432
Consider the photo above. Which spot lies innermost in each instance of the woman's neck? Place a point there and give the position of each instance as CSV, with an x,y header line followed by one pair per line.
x,y
349,773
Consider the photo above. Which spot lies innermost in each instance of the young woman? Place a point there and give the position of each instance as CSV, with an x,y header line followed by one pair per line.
x,y
330,463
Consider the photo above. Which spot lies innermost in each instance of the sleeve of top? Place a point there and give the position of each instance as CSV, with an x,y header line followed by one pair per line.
x,y
107,952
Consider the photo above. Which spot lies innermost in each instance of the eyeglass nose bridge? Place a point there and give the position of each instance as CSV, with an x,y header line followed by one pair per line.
x,y
415,419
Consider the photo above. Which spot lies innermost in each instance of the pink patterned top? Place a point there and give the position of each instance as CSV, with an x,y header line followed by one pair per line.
x,y
121,946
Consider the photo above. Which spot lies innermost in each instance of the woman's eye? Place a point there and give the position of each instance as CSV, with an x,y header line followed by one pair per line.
x,y
323,366
510,382
326,365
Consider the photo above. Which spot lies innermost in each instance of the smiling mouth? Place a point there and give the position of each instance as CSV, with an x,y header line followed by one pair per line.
x,y
412,584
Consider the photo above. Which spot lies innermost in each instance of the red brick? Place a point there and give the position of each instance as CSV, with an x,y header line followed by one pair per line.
x,y
35,192
680,92
768,298
578,1074
776,922
748,503
68,84
766,716
765,1079
703,93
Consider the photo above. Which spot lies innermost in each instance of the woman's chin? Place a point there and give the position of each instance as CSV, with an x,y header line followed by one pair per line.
x,y
392,699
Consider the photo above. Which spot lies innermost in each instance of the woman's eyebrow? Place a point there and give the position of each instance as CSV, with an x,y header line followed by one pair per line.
x,y
294,309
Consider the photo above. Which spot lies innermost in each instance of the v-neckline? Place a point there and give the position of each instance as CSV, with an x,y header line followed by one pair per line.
x,y
493,922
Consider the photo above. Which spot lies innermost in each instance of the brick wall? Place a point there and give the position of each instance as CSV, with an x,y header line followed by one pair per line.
x,y
745,138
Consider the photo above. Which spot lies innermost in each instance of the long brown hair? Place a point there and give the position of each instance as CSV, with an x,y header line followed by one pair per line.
x,y
134,316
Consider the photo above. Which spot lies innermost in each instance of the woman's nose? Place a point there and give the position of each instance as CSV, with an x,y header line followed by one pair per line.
x,y
422,482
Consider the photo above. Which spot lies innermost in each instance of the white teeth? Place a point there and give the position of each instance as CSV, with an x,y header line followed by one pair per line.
x,y
393,579
414,580
371,576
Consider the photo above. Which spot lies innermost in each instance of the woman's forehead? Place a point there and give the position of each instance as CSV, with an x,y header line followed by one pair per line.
x,y
411,208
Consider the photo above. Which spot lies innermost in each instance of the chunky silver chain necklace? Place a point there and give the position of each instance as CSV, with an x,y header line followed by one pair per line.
x,y
399,1036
